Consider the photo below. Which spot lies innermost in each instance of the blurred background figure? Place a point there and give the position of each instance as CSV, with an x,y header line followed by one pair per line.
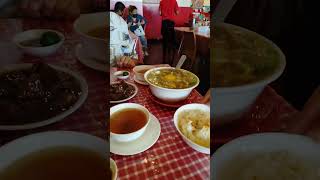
x,y
168,10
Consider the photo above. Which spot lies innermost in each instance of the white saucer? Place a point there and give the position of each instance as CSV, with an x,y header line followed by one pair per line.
x,y
148,139
138,81
87,61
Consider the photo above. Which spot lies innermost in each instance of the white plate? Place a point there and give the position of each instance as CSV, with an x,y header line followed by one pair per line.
x,y
133,95
59,117
139,82
87,61
148,139
28,144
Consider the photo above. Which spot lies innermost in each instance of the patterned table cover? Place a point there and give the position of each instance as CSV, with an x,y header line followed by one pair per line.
x,y
264,116
91,116
170,157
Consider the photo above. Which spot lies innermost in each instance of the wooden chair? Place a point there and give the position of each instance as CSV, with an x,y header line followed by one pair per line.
x,y
188,47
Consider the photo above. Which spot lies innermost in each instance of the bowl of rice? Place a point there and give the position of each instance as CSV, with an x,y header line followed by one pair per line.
x,y
192,121
266,156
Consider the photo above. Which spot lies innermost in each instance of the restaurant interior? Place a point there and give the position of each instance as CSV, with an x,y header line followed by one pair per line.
x,y
192,43
157,91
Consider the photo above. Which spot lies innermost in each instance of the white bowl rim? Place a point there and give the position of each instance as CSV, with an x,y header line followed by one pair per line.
x,y
277,73
20,141
249,137
133,95
175,121
154,69
17,42
59,117
142,107
115,168
141,66
223,150
84,34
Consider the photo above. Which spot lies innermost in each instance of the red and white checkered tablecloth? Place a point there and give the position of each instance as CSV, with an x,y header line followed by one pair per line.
x,y
91,116
264,116
170,157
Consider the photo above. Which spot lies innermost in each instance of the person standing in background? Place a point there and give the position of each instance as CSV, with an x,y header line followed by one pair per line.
x,y
168,9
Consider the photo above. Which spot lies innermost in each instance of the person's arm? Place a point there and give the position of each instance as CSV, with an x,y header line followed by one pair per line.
x,y
302,121
206,98
176,8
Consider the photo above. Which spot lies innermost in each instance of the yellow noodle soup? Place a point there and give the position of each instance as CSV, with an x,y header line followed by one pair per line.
x,y
241,57
172,78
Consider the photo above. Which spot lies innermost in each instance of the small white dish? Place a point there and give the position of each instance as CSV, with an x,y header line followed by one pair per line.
x,y
147,140
90,62
119,75
114,169
133,95
23,146
133,135
37,51
58,117
193,145
301,146
94,47
139,82
139,75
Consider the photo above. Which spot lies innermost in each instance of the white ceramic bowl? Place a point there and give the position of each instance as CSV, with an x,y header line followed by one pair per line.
x,y
58,117
188,141
37,51
119,75
231,103
166,94
140,76
35,142
114,169
94,47
298,145
134,135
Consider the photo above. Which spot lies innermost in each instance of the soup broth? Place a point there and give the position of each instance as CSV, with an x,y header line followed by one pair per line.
x,y
127,121
172,78
98,32
239,57
59,163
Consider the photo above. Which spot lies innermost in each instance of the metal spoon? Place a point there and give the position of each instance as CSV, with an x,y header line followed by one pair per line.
x,y
181,61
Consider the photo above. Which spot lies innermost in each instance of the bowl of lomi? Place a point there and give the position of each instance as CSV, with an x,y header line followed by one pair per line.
x,y
170,84
244,63
128,121
266,156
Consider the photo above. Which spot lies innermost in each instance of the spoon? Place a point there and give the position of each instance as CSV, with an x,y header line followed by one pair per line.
x,y
181,61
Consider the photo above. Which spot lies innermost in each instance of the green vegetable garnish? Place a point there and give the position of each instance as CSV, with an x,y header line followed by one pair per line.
x,y
125,73
49,38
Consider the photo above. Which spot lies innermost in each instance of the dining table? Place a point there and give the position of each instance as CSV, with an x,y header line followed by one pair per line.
x,y
265,115
170,157
91,117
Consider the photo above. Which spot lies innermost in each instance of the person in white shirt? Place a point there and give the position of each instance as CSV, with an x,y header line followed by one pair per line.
x,y
120,41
